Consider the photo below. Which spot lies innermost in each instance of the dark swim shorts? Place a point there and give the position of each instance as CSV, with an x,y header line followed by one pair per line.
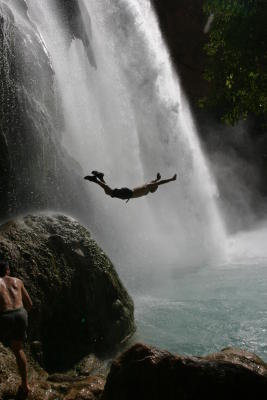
x,y
13,325
123,193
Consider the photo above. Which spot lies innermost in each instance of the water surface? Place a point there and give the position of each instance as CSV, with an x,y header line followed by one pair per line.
x,y
204,310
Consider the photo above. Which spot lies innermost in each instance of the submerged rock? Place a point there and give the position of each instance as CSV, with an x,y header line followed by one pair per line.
x,y
146,373
80,304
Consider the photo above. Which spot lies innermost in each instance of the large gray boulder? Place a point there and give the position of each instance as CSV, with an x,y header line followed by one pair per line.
x,y
80,304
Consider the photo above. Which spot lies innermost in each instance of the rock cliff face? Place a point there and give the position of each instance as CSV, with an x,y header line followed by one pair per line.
x,y
182,23
80,304
36,173
146,373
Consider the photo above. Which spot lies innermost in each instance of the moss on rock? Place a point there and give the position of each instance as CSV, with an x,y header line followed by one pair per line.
x,y
80,304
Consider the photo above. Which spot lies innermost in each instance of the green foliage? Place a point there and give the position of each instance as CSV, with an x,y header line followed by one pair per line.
x,y
237,59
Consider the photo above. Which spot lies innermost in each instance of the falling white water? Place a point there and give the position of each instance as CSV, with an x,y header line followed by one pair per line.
x,y
128,117
249,247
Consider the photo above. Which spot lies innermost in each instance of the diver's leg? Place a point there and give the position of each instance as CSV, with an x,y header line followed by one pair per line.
x,y
104,186
107,189
99,175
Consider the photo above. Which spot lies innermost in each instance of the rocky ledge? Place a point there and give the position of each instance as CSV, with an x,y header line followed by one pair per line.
x,y
80,304
84,382
146,373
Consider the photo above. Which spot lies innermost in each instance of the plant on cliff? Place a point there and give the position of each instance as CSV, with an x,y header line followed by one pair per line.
x,y
237,59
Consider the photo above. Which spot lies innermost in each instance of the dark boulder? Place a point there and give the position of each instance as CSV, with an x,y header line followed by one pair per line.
x,y
182,23
80,304
146,373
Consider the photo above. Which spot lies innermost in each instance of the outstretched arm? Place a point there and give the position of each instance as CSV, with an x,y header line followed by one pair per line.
x,y
163,181
150,187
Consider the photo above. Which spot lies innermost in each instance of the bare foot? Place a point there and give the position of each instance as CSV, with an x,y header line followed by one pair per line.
x,y
91,178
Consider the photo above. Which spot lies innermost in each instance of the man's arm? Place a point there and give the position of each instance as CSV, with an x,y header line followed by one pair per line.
x,y
27,302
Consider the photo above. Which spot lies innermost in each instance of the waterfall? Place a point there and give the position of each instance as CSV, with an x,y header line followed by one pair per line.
x,y
35,171
125,114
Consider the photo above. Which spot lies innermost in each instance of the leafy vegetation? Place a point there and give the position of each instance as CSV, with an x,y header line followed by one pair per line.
x,y
237,59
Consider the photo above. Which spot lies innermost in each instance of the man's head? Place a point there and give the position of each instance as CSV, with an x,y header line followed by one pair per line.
x,y
4,268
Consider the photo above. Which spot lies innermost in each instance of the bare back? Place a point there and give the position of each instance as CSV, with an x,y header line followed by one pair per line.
x,y
13,294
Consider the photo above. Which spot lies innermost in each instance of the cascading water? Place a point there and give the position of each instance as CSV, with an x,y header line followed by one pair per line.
x,y
35,171
125,114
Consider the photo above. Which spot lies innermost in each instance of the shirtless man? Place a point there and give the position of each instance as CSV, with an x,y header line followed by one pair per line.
x,y
14,318
126,193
